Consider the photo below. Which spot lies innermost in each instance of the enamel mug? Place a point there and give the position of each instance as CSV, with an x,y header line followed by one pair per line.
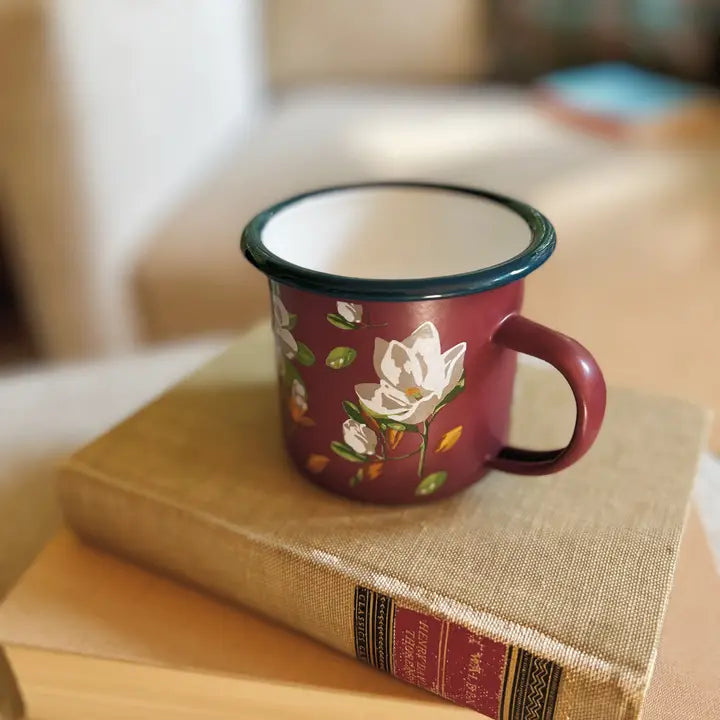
x,y
396,313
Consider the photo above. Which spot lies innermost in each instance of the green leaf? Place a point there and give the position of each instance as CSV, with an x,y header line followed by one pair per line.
x,y
292,321
431,483
305,355
379,418
356,479
346,452
452,394
353,411
291,373
340,322
340,357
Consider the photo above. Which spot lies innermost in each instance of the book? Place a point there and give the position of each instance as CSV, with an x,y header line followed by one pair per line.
x,y
184,654
518,596
686,680
621,100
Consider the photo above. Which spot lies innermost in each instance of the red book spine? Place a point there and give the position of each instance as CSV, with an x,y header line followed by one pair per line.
x,y
501,681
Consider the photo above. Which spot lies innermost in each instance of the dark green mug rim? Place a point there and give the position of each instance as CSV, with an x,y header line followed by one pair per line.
x,y
541,246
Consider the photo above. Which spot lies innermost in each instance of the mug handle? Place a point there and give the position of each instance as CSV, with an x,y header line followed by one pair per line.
x,y
585,379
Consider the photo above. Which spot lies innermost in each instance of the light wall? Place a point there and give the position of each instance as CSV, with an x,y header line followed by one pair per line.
x,y
119,107
376,41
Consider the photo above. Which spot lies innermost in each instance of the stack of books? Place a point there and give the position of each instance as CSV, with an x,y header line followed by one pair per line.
x,y
557,598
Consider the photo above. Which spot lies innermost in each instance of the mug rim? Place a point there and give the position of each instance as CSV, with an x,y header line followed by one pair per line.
x,y
538,250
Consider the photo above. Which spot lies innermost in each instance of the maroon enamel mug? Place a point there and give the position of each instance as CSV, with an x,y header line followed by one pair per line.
x,y
396,313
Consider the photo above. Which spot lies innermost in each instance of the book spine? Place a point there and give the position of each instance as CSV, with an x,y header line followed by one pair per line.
x,y
339,606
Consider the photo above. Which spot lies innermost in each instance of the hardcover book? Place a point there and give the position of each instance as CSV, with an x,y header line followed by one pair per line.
x,y
137,645
521,597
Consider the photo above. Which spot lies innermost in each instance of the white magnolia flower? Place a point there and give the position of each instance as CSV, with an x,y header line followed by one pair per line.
x,y
415,376
298,394
359,437
350,311
287,345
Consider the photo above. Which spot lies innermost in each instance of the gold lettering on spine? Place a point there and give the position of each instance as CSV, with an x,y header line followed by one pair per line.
x,y
421,651
472,676
408,657
361,639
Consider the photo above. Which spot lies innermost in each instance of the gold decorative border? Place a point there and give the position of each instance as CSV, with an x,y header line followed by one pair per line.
x,y
374,626
530,687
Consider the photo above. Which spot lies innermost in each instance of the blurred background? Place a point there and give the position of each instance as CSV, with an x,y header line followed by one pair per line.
x,y
138,136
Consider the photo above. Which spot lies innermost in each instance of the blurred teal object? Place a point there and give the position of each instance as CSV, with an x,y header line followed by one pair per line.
x,y
650,16
620,91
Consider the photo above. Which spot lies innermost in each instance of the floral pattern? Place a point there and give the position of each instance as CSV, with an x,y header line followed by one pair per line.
x,y
415,380
349,316
316,463
290,352
359,437
283,323
415,376
448,440
298,401
350,311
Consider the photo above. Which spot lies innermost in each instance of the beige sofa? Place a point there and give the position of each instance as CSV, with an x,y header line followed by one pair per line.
x,y
112,113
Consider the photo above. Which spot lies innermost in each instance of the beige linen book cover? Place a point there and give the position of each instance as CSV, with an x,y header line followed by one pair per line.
x,y
522,597
178,648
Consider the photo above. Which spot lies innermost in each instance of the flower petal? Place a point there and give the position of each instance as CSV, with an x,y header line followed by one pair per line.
x,y
424,340
381,347
453,361
350,311
359,437
370,395
316,463
299,395
401,367
394,437
448,440
281,317
383,399
424,343
288,345
419,412
433,373
297,410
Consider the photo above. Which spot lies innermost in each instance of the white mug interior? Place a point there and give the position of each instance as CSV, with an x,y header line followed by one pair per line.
x,y
391,233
